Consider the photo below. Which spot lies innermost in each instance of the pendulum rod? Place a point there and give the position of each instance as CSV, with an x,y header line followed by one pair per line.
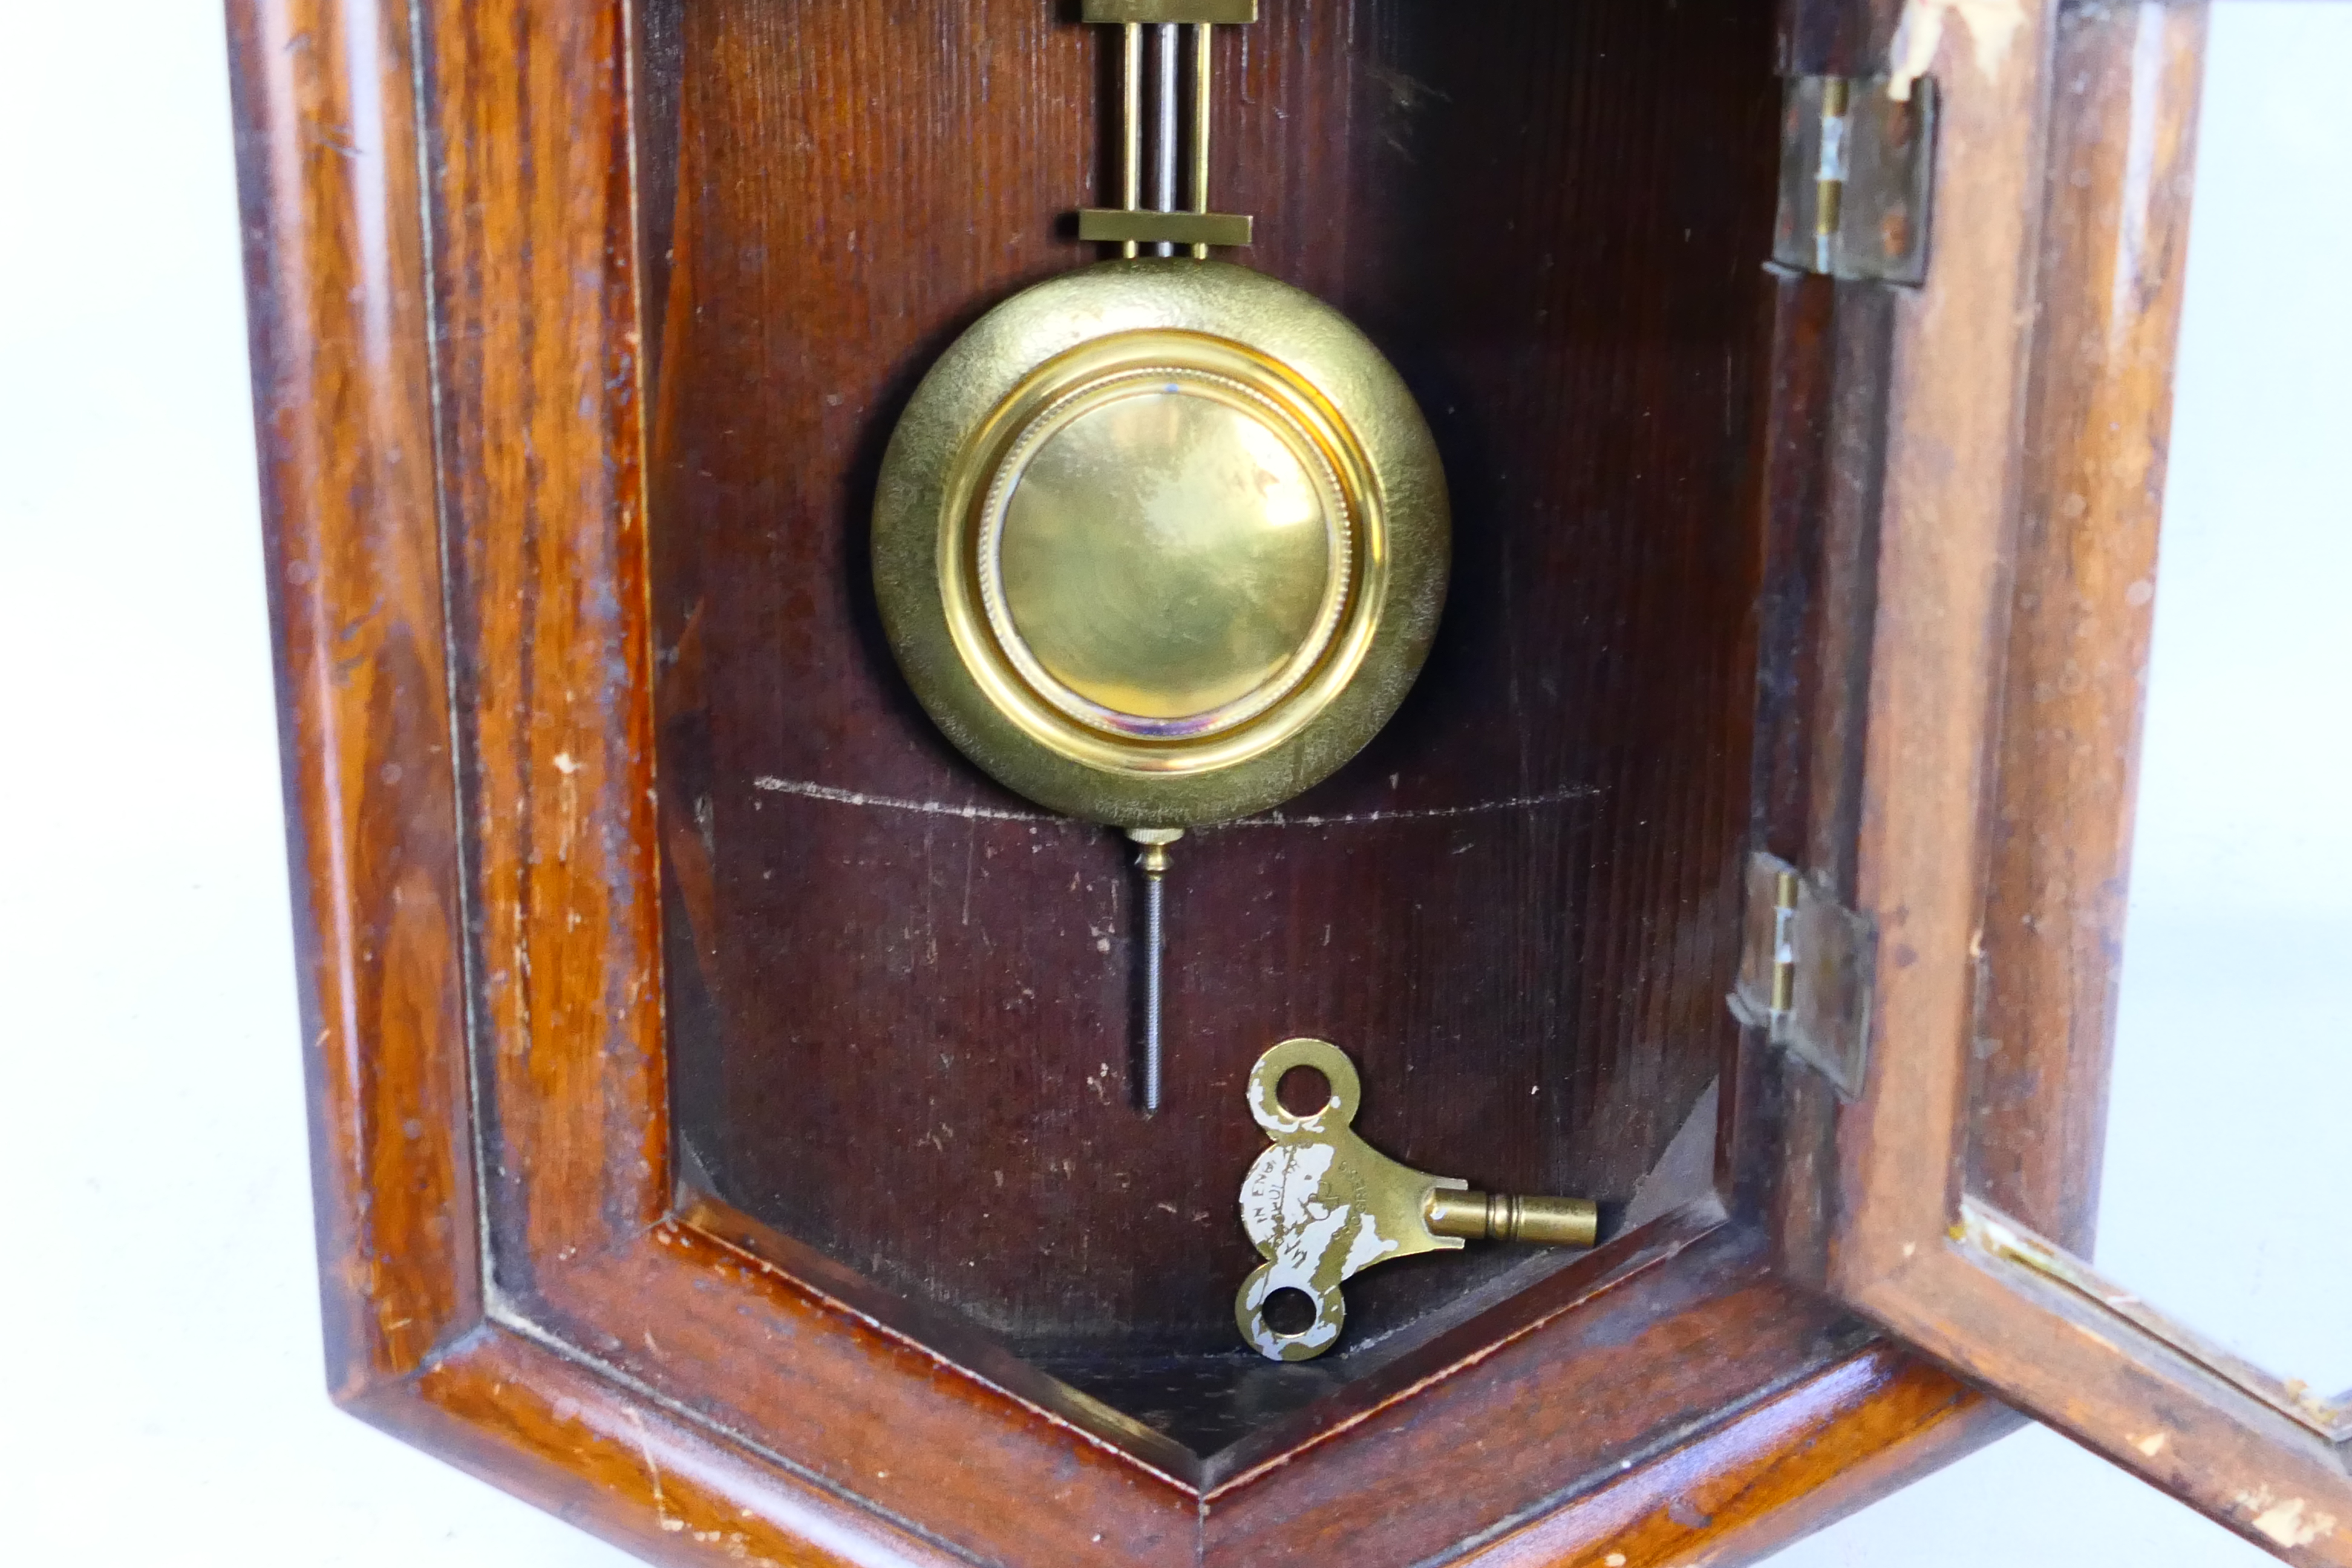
x,y
1131,128
1152,861
1201,127
1164,129
1155,946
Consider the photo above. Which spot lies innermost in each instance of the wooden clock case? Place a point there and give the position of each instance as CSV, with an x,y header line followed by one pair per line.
x,y
721,1129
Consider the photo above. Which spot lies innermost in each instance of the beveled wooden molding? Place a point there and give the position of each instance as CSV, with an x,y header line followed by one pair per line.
x,y
442,247
334,261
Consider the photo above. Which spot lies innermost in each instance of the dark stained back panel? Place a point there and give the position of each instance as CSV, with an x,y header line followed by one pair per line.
x,y
901,1000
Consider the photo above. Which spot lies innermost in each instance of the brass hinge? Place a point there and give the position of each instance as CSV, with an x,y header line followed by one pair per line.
x,y
1857,168
1806,965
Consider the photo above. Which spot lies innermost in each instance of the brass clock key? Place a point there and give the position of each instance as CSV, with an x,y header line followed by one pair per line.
x,y
1162,542
1322,1205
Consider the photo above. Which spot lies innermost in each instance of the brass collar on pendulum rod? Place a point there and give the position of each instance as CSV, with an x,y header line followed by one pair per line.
x,y
1162,542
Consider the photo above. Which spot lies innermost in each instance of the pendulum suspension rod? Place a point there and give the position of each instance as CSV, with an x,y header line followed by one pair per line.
x,y
1130,126
1164,131
1200,127
1176,141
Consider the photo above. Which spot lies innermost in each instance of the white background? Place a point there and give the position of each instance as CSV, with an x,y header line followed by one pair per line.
x,y
160,1386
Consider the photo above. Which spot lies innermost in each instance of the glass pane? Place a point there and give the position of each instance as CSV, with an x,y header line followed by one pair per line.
x,y
2229,1161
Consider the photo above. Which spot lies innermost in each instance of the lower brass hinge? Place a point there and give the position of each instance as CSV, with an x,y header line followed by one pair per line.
x,y
1806,967
1857,168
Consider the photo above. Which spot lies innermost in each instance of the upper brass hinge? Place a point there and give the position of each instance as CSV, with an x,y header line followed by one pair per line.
x,y
1806,967
1857,170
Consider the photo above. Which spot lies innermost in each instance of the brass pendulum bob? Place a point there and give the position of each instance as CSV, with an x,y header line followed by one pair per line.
x,y
1162,542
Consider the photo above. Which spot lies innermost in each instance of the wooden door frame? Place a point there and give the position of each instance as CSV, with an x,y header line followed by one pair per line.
x,y
1996,755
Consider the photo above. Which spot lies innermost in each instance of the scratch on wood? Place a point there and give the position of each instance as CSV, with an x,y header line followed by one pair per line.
x,y
1430,813
892,802
653,1467
1270,819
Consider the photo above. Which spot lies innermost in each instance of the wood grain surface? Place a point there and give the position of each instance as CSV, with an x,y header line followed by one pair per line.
x,y
902,999
334,246
2114,244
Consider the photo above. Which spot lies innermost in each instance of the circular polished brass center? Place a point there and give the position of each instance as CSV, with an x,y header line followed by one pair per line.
x,y
1164,553
1161,542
